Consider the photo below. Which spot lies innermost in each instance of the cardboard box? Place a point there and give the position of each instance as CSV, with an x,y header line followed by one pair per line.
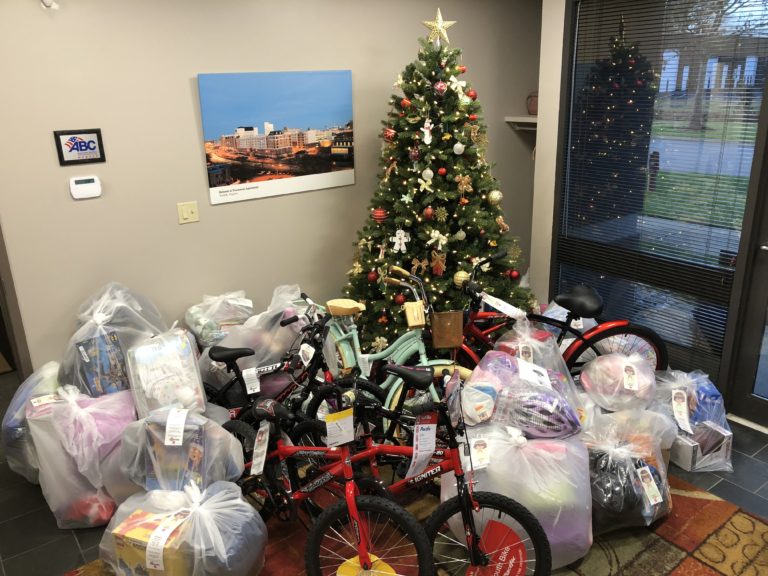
x,y
131,537
709,443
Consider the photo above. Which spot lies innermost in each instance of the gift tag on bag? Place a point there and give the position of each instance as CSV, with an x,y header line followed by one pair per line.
x,y
306,352
174,426
649,486
481,454
42,400
252,381
260,448
630,377
680,410
340,427
424,435
365,365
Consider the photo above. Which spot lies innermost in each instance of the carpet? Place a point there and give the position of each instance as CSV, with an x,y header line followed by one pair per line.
x,y
703,536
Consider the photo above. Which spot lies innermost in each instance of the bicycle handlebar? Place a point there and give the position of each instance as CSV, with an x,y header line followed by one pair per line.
x,y
286,321
392,281
472,289
397,271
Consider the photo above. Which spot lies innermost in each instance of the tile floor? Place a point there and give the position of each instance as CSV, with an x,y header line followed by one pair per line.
x,y
32,545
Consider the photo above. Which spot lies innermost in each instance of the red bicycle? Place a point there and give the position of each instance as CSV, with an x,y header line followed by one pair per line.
x,y
472,533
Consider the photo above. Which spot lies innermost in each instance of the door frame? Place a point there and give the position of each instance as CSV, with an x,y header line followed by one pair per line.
x,y
11,315
747,309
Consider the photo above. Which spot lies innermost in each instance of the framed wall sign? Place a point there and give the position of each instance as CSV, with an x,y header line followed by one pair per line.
x,y
79,146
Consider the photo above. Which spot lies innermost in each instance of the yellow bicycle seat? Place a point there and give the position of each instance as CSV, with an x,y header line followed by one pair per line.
x,y
344,307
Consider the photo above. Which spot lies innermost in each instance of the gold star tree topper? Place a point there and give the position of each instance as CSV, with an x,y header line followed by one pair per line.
x,y
438,27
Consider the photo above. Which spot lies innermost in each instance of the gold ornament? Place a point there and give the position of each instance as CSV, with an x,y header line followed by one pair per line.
x,y
460,277
503,228
460,235
465,184
494,197
437,28
355,270
441,214
447,137
492,243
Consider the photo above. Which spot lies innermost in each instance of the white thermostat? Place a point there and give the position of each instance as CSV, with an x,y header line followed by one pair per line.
x,y
85,187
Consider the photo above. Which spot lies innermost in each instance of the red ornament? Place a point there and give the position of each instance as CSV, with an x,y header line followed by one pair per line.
x,y
640,83
414,154
399,299
472,94
461,68
442,171
389,134
440,87
472,117
513,274
380,215
383,319
463,200
482,231
373,276
405,103
429,212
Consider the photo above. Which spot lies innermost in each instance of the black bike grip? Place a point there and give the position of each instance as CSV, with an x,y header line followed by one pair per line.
x,y
472,288
499,255
285,321
422,407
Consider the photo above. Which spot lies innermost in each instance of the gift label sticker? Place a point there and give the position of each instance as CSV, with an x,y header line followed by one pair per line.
x,y
252,382
630,377
680,410
84,354
532,373
43,400
260,448
306,352
158,538
424,435
577,324
174,426
481,454
340,427
649,486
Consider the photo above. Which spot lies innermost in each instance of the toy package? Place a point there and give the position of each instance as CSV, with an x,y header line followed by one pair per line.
x,y
163,372
212,319
186,533
17,441
549,477
173,448
627,473
108,325
704,438
619,382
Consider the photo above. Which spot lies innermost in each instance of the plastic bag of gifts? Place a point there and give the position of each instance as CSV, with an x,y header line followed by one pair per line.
x,y
17,441
172,448
619,382
549,477
510,391
212,319
557,312
73,434
186,533
704,438
163,372
262,334
109,323
533,344
628,477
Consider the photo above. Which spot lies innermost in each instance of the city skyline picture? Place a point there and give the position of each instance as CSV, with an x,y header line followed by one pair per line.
x,y
273,133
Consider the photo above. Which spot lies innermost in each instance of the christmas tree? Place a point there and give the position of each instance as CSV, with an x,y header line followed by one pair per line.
x,y
611,136
436,210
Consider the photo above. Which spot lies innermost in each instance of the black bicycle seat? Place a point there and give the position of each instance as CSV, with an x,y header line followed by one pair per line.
x,y
270,410
419,377
582,300
224,354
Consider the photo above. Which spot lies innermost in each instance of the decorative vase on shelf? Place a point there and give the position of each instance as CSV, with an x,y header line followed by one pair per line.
x,y
532,103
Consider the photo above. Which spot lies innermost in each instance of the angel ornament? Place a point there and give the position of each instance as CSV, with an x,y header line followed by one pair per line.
x,y
400,238
427,130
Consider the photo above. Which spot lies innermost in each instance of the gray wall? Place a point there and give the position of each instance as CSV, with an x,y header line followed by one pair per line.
x,y
129,68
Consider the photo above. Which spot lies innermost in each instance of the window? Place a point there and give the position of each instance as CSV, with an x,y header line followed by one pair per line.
x,y
663,108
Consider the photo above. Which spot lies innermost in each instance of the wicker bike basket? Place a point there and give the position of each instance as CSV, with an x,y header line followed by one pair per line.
x,y
447,329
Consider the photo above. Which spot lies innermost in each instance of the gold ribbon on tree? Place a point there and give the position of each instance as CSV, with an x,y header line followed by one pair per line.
x,y
419,264
465,184
438,263
388,171
503,227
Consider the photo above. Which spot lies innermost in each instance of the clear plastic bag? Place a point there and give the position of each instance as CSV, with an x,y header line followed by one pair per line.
x,y
548,477
212,319
557,312
619,382
109,323
693,402
627,473
73,499
116,482
164,372
205,453
17,441
212,533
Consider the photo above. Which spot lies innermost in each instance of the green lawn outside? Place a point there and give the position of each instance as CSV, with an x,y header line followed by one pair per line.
x,y
731,131
698,198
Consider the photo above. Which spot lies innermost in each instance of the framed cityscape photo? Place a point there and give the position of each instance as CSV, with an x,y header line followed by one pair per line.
x,y
79,146
273,133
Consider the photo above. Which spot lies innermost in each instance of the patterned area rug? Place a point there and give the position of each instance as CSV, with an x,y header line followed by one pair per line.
x,y
703,536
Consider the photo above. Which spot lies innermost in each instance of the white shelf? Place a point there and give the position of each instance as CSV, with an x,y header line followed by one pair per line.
x,y
522,122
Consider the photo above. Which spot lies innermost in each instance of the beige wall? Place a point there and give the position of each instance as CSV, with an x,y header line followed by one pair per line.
x,y
129,67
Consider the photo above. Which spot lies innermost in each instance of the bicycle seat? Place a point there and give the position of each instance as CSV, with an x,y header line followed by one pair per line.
x,y
582,300
419,377
344,307
224,354
270,410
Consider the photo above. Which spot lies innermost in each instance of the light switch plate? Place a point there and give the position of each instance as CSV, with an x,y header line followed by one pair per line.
x,y
188,212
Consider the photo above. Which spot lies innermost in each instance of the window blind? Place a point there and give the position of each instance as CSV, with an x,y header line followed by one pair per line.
x,y
662,118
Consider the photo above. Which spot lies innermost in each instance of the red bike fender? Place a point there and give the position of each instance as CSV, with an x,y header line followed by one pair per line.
x,y
602,327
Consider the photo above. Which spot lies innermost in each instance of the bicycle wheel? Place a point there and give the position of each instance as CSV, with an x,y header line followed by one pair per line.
x,y
511,537
397,543
628,339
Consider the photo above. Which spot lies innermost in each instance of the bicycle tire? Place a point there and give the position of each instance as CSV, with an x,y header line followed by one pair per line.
x,y
244,433
448,510
624,340
335,519
313,430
